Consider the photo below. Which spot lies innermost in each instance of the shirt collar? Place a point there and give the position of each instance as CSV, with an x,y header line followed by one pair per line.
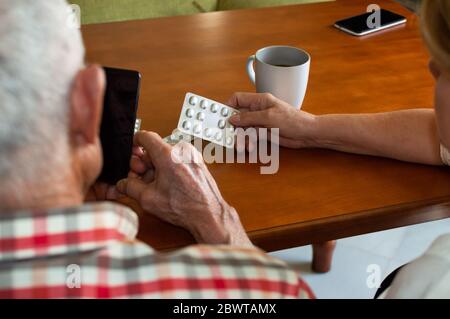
x,y
37,233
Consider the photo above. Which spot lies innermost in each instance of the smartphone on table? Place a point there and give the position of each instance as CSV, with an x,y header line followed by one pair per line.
x,y
118,122
360,26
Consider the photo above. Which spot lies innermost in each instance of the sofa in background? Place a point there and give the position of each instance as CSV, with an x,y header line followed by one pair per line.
x,y
100,11
246,4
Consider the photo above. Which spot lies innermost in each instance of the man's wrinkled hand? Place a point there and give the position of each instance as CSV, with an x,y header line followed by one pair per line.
x,y
174,184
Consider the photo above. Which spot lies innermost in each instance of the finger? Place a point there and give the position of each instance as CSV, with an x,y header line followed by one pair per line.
x,y
249,119
138,151
112,193
186,153
252,101
149,176
137,165
156,150
132,187
133,175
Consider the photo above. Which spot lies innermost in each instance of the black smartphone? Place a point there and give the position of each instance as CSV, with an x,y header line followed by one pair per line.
x,y
118,122
359,26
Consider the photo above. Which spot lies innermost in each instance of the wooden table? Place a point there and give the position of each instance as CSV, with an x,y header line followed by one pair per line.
x,y
317,195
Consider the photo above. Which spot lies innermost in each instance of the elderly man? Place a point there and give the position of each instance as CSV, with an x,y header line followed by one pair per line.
x,y
54,246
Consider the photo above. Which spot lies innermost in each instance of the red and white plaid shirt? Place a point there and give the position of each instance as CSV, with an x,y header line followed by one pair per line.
x,y
91,252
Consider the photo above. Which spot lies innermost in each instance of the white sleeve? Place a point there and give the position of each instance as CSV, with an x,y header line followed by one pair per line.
x,y
428,277
445,155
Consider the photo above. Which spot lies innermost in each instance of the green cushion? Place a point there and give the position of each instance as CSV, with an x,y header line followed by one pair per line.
x,y
98,11
413,5
243,4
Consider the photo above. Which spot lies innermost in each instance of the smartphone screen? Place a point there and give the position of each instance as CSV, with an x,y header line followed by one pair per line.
x,y
118,122
358,25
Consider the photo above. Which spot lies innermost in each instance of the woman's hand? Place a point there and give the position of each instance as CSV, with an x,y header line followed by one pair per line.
x,y
266,111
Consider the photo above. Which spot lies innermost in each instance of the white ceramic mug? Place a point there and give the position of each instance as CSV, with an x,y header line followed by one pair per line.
x,y
282,71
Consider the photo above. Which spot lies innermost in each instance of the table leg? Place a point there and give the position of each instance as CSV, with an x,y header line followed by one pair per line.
x,y
323,256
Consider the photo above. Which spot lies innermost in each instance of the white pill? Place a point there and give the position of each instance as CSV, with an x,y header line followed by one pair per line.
x,y
208,132
225,112
204,104
222,124
172,138
214,108
230,140
197,129
201,116
187,125
190,113
219,136
193,100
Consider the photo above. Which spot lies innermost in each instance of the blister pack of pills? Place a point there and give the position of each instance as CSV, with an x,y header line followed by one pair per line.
x,y
208,120
177,137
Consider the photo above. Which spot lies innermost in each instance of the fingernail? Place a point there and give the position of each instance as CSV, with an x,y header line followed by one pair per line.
x,y
235,118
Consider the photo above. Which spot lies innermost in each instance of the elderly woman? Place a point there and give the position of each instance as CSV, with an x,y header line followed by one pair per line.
x,y
421,136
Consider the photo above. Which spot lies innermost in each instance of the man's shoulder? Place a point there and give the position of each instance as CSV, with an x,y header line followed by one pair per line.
x,y
28,234
94,249
202,271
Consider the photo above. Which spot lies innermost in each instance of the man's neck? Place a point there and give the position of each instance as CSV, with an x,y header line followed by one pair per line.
x,y
60,193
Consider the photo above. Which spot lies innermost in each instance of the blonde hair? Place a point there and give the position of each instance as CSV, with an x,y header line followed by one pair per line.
x,y
436,30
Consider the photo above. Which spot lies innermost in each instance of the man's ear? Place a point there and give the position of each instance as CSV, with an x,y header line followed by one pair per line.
x,y
86,105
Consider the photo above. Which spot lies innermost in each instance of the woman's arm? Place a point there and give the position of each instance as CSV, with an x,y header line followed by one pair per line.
x,y
409,135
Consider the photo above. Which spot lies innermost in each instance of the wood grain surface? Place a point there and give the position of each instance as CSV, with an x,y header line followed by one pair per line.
x,y
317,195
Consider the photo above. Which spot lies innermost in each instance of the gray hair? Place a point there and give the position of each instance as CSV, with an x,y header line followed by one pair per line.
x,y
40,54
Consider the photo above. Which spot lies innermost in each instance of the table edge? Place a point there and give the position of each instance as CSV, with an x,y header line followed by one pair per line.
x,y
362,222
